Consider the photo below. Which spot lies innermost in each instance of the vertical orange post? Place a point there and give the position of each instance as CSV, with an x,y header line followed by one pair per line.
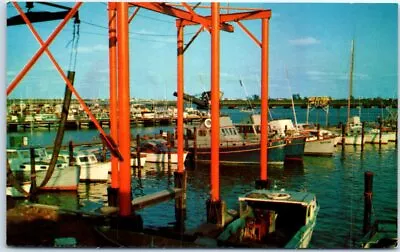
x,y
112,43
124,136
264,101
215,94
180,97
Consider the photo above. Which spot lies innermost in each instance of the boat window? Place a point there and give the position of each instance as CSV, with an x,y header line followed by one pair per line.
x,y
12,155
92,158
230,131
234,132
223,132
83,159
202,133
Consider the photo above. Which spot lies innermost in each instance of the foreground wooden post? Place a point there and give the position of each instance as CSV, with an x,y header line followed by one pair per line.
x,y
33,173
180,180
368,179
70,154
194,157
380,132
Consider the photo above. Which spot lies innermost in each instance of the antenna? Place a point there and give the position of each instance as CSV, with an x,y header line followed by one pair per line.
x,y
247,95
291,96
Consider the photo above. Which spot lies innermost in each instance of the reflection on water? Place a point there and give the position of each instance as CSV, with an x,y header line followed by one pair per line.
x,y
337,181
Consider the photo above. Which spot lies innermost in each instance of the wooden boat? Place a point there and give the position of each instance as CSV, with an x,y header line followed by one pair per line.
x,y
383,234
157,151
272,219
234,148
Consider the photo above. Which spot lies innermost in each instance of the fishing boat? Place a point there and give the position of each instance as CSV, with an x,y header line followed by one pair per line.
x,y
272,219
157,151
319,142
19,159
234,148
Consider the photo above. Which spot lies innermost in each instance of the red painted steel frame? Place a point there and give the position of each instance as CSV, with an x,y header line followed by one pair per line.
x,y
180,90
215,95
233,17
133,14
57,66
249,33
124,135
112,43
264,100
44,47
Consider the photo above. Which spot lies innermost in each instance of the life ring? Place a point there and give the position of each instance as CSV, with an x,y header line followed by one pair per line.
x,y
207,123
278,196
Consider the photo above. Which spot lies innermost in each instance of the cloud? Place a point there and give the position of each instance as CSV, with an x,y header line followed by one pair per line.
x,y
91,49
304,41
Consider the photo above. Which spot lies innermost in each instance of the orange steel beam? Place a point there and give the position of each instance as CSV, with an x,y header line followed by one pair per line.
x,y
193,12
249,33
264,99
124,135
43,48
231,17
215,94
112,44
180,89
221,7
178,13
193,38
133,14
65,78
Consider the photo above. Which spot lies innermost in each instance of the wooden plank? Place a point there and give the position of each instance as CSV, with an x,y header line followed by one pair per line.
x,y
151,199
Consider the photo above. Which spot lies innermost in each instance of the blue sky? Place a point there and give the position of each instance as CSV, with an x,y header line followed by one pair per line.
x,y
311,41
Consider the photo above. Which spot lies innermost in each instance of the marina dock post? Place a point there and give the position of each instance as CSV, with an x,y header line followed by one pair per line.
x,y
194,156
368,181
362,136
138,151
180,181
318,129
343,136
70,153
32,190
380,132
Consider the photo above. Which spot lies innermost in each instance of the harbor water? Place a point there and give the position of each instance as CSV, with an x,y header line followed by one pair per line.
x,y
337,181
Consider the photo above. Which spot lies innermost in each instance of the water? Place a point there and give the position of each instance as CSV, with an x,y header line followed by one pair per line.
x,y
337,181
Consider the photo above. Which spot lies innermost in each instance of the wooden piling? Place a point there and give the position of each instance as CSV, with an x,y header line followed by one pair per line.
x,y
33,172
169,148
138,151
380,132
180,181
343,136
318,128
194,159
362,136
186,141
71,154
368,181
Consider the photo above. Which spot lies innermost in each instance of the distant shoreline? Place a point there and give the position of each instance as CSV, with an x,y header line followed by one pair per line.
x,y
365,102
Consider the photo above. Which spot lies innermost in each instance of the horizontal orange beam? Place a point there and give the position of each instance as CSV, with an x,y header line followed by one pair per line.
x,y
248,15
221,7
181,14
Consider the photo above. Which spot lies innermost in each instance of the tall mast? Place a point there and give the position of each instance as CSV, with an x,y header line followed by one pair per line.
x,y
350,82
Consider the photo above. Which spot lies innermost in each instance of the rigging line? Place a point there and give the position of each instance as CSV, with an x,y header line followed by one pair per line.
x,y
76,44
72,48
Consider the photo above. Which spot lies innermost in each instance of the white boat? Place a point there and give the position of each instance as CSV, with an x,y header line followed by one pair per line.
x,y
19,159
318,142
91,169
62,179
273,219
134,160
373,137
157,151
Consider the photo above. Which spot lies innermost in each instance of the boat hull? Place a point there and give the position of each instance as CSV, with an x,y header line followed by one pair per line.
x,y
321,147
163,157
244,154
97,172
294,149
373,138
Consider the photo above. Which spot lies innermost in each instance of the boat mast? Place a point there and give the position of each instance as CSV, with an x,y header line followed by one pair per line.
x,y
350,82
291,95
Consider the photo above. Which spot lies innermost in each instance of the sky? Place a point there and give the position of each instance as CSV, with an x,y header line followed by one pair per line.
x,y
309,53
